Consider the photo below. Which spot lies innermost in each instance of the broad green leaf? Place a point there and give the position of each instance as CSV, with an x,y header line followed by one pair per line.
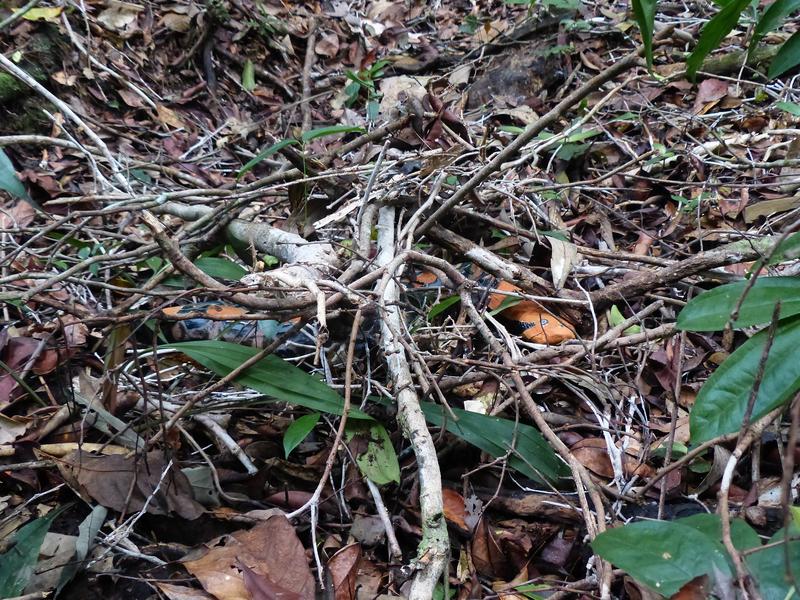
x,y
645,13
18,563
721,404
442,306
9,181
743,536
771,19
248,76
790,107
713,33
271,376
285,382
378,460
788,249
788,57
711,310
298,431
266,153
532,455
768,567
332,130
221,268
663,555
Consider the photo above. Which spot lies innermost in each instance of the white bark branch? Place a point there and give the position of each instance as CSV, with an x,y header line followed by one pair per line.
x,y
432,553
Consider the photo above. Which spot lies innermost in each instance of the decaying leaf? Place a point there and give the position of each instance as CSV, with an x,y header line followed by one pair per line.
x,y
271,550
343,567
130,484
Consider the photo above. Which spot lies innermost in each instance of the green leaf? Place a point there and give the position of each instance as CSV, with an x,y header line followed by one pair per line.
x,y
9,181
713,33
615,317
788,57
532,455
788,249
771,19
790,107
743,536
332,130
721,404
221,268
662,555
373,109
285,382
768,567
645,13
378,461
248,76
442,306
272,376
17,565
277,147
711,310
298,431
507,302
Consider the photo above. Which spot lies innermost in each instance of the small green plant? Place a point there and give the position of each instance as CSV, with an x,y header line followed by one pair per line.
x,y
690,205
721,25
304,139
724,401
363,82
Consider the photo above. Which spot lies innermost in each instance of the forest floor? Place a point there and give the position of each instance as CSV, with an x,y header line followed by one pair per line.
x,y
406,273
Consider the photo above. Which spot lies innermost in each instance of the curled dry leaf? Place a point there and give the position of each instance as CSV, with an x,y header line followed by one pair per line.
x,y
130,484
455,510
270,550
343,567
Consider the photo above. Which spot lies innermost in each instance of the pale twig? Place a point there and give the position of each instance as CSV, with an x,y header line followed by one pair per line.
x,y
433,551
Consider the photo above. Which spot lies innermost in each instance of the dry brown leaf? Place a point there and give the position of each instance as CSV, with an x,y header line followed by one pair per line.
x,y
167,116
455,508
344,568
181,592
271,549
127,484
327,45
710,90
19,215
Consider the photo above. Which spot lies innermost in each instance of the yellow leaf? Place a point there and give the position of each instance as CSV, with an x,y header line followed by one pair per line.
x,y
42,14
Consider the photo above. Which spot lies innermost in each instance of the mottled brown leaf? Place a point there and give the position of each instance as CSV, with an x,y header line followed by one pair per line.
x,y
128,484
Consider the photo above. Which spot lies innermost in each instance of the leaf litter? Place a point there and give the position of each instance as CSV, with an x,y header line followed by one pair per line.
x,y
593,234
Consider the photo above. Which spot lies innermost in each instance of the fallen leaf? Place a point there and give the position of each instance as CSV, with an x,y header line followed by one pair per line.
x,y
120,18
129,484
455,510
563,258
327,45
709,90
343,567
39,13
182,592
270,549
